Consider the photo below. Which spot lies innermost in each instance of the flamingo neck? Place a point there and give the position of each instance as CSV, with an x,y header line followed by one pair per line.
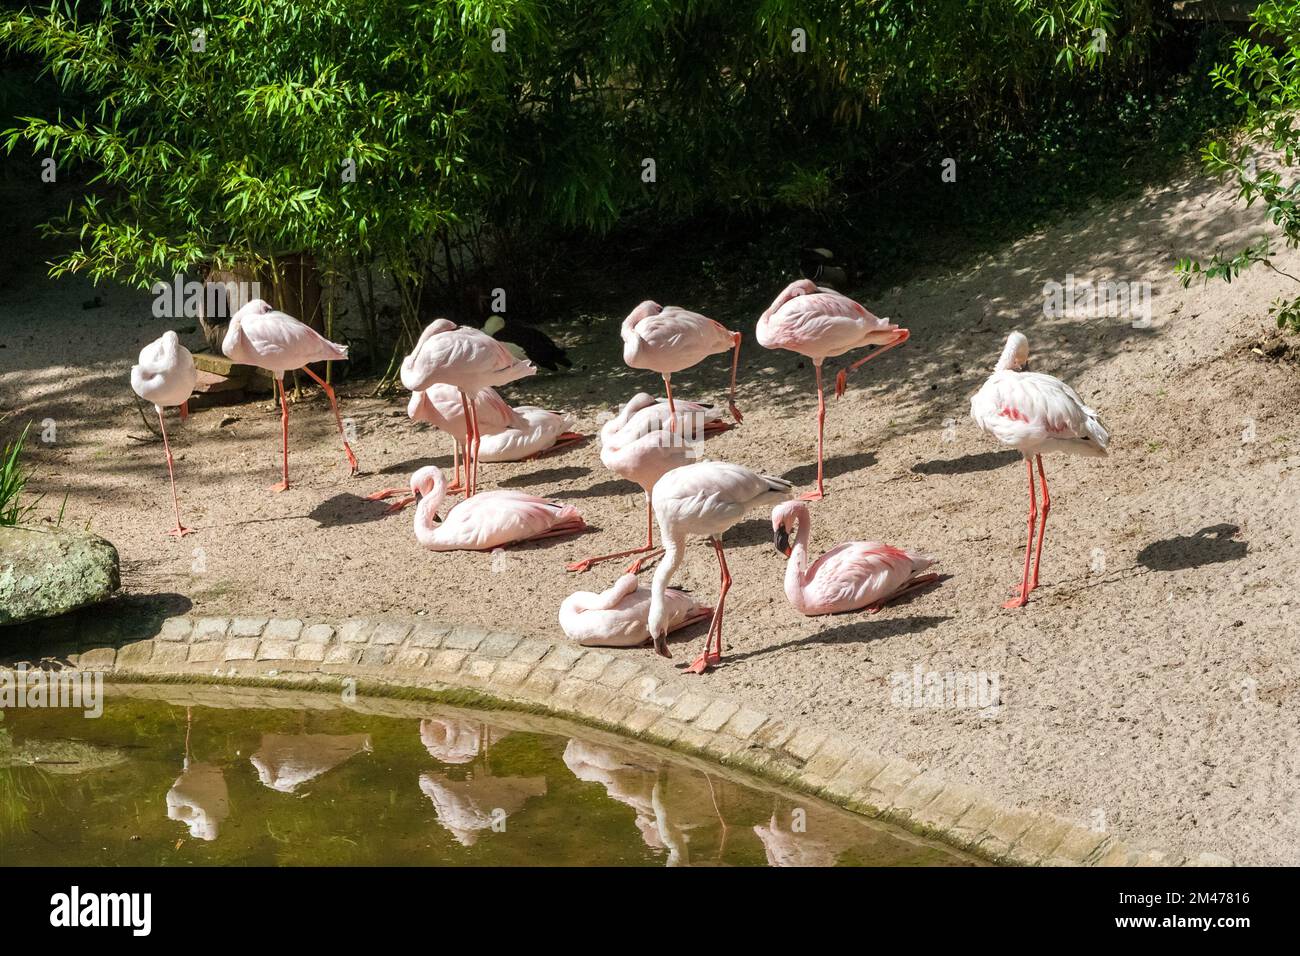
x,y
668,565
1008,357
425,530
796,568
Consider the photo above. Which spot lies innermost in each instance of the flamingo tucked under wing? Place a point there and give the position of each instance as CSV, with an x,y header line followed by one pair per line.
x,y
489,520
166,377
618,616
669,339
1035,413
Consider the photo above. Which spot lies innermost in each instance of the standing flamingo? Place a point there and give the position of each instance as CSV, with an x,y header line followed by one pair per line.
x,y
643,443
440,406
259,335
1033,413
705,498
489,520
165,377
617,617
821,323
470,360
667,340
850,576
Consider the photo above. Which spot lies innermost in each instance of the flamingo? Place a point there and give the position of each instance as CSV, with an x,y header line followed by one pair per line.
x,y
469,359
440,405
1034,413
165,377
532,432
705,498
644,442
669,339
850,576
259,335
492,519
617,616
820,323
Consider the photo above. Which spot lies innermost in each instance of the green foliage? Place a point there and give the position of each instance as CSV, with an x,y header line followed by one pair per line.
x,y
13,480
1262,79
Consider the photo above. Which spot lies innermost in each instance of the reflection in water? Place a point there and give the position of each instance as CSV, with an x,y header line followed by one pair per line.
x,y
286,761
455,741
802,836
199,798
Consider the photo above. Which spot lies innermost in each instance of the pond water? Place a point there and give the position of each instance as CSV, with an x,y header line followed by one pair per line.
x,y
162,778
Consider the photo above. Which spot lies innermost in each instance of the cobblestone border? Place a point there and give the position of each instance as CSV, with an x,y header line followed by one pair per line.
x,y
614,691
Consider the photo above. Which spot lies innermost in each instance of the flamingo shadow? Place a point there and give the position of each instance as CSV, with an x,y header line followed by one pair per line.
x,y
611,488
831,467
347,509
967,464
1212,545
563,473
864,630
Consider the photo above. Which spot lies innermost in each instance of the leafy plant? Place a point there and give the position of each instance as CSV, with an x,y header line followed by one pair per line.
x,y
13,480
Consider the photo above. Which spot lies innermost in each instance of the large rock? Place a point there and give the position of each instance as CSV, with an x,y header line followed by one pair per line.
x,y
48,572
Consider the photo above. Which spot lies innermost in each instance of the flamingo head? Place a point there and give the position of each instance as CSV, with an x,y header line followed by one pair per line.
x,y
643,311
419,408
428,485
785,518
792,291
1015,355
250,308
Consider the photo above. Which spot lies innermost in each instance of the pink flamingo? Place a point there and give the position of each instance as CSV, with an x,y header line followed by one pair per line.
x,y
492,519
259,335
705,498
533,432
166,377
441,406
468,359
667,340
642,444
618,616
821,323
850,576
1035,413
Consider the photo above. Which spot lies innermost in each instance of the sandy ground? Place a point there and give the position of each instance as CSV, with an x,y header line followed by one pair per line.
x,y
1151,686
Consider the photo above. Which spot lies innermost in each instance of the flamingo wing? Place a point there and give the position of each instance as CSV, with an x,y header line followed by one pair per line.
x,y
285,342
496,518
855,574
1021,408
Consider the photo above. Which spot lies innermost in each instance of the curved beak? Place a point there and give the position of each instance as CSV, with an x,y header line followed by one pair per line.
x,y
781,538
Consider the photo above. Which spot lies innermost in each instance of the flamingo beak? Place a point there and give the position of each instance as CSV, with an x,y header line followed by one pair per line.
x,y
781,538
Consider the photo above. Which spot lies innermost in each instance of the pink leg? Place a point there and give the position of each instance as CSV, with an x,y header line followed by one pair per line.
x,y
735,362
563,440
1042,527
1021,599
455,460
478,438
820,493
284,436
180,530
338,419
841,380
469,444
712,657
672,409
586,563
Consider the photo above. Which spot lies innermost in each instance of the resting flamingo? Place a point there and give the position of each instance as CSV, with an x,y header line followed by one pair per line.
x,y
669,339
705,498
1034,413
618,616
850,576
470,360
639,446
821,323
531,433
166,377
259,335
492,519
440,406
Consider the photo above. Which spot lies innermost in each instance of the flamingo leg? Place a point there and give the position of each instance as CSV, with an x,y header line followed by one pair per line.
x,y
284,436
338,419
841,380
735,362
478,439
710,658
455,459
586,563
820,493
1042,527
1021,599
469,444
180,530
672,409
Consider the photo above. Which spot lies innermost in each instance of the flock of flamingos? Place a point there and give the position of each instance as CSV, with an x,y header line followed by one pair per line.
x,y
655,443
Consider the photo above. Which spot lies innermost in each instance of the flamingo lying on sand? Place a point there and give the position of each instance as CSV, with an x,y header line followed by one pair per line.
x,y
492,519
850,576
667,340
259,335
532,432
470,360
705,498
441,406
643,443
1034,413
821,323
166,377
618,617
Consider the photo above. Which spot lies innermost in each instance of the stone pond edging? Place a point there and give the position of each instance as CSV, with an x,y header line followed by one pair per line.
x,y
614,691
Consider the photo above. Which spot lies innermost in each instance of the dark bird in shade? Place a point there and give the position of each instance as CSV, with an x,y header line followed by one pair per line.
x,y
528,342
819,265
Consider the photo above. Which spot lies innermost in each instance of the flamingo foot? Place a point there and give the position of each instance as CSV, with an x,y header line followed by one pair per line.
x,y
580,566
636,566
352,462
812,496
1015,602
399,504
279,486
704,662
384,494
735,413
841,383
180,531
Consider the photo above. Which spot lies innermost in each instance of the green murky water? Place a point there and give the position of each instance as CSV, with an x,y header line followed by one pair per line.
x,y
173,777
